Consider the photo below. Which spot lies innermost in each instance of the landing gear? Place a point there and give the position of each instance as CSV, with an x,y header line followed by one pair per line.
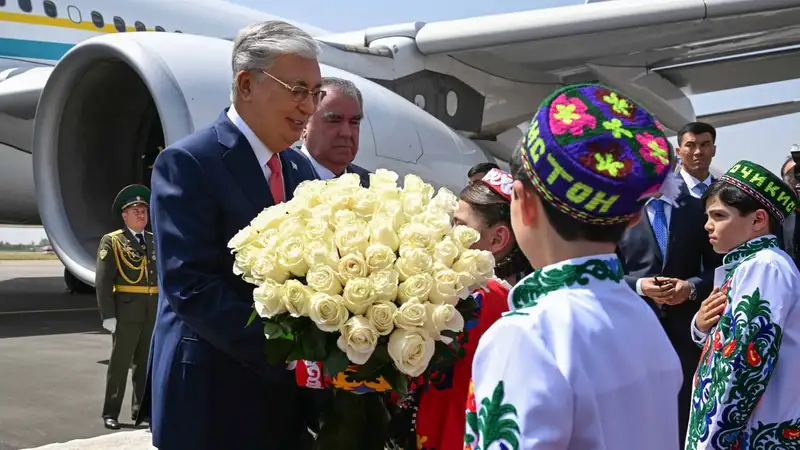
x,y
76,286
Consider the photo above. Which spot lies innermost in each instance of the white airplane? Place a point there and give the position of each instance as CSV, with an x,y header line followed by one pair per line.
x,y
87,89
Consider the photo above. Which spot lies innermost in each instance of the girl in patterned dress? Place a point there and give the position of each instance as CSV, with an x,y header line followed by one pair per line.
x,y
440,407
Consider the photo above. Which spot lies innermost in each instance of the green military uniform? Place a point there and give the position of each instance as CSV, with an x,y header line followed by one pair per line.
x,y
127,290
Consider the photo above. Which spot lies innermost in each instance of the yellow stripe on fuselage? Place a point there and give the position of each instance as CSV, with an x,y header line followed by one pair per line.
x,y
33,19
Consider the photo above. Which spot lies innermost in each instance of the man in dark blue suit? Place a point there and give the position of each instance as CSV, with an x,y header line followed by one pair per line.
x,y
330,140
669,261
211,387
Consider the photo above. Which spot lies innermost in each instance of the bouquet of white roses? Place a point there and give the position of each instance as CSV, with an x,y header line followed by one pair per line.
x,y
367,281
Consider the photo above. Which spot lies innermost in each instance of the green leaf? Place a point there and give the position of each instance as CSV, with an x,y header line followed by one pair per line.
x,y
398,381
253,316
272,330
377,364
277,350
335,363
314,342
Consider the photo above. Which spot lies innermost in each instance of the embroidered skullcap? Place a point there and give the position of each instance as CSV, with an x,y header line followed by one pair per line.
x,y
777,197
500,182
595,154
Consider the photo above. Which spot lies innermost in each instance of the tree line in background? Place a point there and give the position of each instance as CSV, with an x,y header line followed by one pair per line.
x,y
31,247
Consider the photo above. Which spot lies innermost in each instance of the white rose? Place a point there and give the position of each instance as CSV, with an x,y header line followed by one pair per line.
x,y
382,232
322,212
417,286
268,239
351,266
267,267
292,226
309,192
478,264
244,260
349,181
446,252
413,183
342,218
291,255
414,261
411,315
383,179
446,287
318,230
444,201
243,238
379,257
321,253
440,223
443,318
465,236
270,218
327,312
364,204
269,299
392,211
384,284
296,298
413,203
323,279
381,316
411,351
352,239
358,295
417,235
358,339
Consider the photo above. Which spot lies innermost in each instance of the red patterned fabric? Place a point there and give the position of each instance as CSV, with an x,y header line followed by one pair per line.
x,y
441,416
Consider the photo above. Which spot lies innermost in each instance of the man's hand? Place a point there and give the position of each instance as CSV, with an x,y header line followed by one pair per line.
x,y
682,291
710,311
110,325
659,291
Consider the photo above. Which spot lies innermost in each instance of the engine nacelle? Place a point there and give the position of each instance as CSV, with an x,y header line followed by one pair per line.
x,y
113,98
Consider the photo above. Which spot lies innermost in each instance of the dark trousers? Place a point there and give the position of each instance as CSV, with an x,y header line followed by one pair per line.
x,y
136,315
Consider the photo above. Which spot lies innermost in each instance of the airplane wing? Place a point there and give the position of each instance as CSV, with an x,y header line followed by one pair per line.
x,y
656,51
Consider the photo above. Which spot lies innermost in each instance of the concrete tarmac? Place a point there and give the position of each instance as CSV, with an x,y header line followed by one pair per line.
x,y
53,360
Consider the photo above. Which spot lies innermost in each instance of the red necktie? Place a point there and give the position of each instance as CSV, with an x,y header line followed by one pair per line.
x,y
275,178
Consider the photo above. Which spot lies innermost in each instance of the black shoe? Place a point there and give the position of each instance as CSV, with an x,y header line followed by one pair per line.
x,y
137,420
110,423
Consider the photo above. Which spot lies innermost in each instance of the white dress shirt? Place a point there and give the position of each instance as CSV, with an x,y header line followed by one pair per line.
x,y
263,154
323,173
692,182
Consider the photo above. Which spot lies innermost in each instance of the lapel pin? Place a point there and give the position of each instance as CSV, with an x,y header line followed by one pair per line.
x,y
294,166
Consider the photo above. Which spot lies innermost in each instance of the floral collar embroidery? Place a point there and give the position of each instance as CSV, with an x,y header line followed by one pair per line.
x,y
578,272
750,248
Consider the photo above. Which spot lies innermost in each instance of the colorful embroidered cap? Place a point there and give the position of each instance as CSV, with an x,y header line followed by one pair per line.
x,y
131,195
777,197
595,154
499,181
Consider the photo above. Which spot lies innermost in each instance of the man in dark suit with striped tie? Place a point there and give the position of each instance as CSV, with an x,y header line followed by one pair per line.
x,y
696,149
330,140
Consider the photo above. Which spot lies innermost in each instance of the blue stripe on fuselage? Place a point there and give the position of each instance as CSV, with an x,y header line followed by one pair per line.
x,y
19,48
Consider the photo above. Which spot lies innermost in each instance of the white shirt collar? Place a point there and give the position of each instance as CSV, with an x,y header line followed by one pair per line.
x,y
135,233
322,172
691,181
263,154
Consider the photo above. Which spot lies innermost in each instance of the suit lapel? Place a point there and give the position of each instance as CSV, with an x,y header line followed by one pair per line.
x,y
243,164
290,173
675,229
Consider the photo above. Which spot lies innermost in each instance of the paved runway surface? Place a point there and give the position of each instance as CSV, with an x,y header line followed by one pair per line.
x,y
54,355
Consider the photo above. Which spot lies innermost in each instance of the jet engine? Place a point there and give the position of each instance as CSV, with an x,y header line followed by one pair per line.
x,y
113,101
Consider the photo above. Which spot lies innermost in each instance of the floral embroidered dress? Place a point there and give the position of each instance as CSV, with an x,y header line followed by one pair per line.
x,y
441,415
745,392
579,362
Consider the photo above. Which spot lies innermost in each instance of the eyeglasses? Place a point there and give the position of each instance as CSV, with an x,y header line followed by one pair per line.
x,y
300,93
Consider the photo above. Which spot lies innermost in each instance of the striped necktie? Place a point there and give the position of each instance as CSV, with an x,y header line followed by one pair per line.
x,y
660,227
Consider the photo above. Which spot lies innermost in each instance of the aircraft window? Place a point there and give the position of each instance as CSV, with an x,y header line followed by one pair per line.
x,y
140,26
97,19
74,14
177,31
119,24
50,9
158,28
25,5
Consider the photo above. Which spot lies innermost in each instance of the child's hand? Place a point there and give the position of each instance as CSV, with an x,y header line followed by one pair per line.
x,y
710,311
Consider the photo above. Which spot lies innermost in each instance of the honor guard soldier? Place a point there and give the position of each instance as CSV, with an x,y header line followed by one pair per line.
x,y
127,296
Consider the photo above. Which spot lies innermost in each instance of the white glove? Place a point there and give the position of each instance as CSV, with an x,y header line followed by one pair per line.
x,y
110,325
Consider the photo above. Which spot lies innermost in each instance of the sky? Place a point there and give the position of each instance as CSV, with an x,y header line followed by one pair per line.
x,y
766,141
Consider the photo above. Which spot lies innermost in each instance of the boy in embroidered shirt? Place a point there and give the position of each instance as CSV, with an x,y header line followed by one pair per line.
x,y
745,393
561,369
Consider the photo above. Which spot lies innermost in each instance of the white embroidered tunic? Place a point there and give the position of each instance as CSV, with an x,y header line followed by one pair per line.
x,y
579,362
746,391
